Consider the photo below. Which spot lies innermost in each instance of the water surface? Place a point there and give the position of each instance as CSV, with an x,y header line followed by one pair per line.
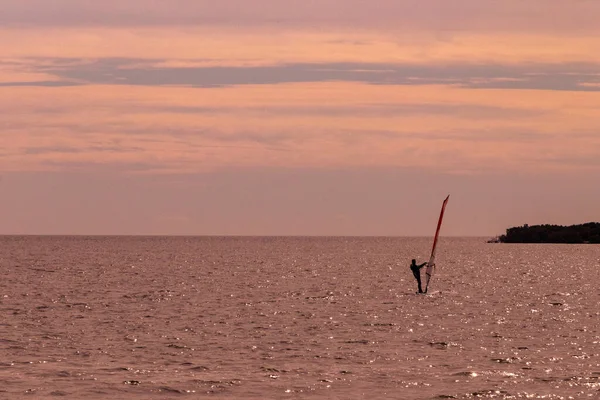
x,y
281,317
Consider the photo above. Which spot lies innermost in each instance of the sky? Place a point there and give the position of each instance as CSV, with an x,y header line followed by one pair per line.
x,y
298,117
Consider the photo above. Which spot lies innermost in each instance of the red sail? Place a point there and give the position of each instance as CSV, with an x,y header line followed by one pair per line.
x,y
431,263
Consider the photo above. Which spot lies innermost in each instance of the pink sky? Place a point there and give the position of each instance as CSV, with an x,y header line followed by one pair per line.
x,y
337,117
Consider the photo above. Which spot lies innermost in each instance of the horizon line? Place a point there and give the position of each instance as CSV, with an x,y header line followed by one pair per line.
x,y
229,235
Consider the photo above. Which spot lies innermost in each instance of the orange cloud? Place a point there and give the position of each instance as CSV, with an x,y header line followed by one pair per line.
x,y
302,124
316,125
229,46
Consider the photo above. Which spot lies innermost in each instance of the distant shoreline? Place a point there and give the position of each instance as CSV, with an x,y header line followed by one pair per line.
x,y
588,233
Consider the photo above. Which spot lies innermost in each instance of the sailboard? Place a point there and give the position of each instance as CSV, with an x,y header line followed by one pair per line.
x,y
431,264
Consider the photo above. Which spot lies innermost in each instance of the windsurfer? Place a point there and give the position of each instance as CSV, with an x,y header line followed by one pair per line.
x,y
416,270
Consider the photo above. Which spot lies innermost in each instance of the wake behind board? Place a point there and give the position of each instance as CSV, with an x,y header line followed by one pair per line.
x,y
431,264
431,293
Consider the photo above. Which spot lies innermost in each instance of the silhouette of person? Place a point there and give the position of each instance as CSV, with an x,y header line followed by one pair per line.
x,y
416,270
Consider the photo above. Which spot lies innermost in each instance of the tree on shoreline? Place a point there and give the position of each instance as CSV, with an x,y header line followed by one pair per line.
x,y
582,233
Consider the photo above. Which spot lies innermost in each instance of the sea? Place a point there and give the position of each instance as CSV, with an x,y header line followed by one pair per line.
x,y
92,317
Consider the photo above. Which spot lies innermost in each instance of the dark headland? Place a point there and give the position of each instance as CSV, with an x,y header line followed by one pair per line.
x,y
582,233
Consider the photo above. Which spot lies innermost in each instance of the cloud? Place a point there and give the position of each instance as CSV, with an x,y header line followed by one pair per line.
x,y
105,167
75,150
365,110
205,46
181,150
575,161
441,15
39,84
119,71
320,124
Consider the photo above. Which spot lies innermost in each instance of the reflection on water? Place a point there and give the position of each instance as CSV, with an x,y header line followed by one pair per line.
x,y
134,317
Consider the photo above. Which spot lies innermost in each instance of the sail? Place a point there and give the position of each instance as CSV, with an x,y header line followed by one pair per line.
x,y
431,263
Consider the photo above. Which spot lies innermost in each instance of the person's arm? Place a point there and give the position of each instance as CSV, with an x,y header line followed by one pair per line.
x,y
422,265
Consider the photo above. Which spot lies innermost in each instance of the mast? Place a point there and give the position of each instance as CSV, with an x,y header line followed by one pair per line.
x,y
431,263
